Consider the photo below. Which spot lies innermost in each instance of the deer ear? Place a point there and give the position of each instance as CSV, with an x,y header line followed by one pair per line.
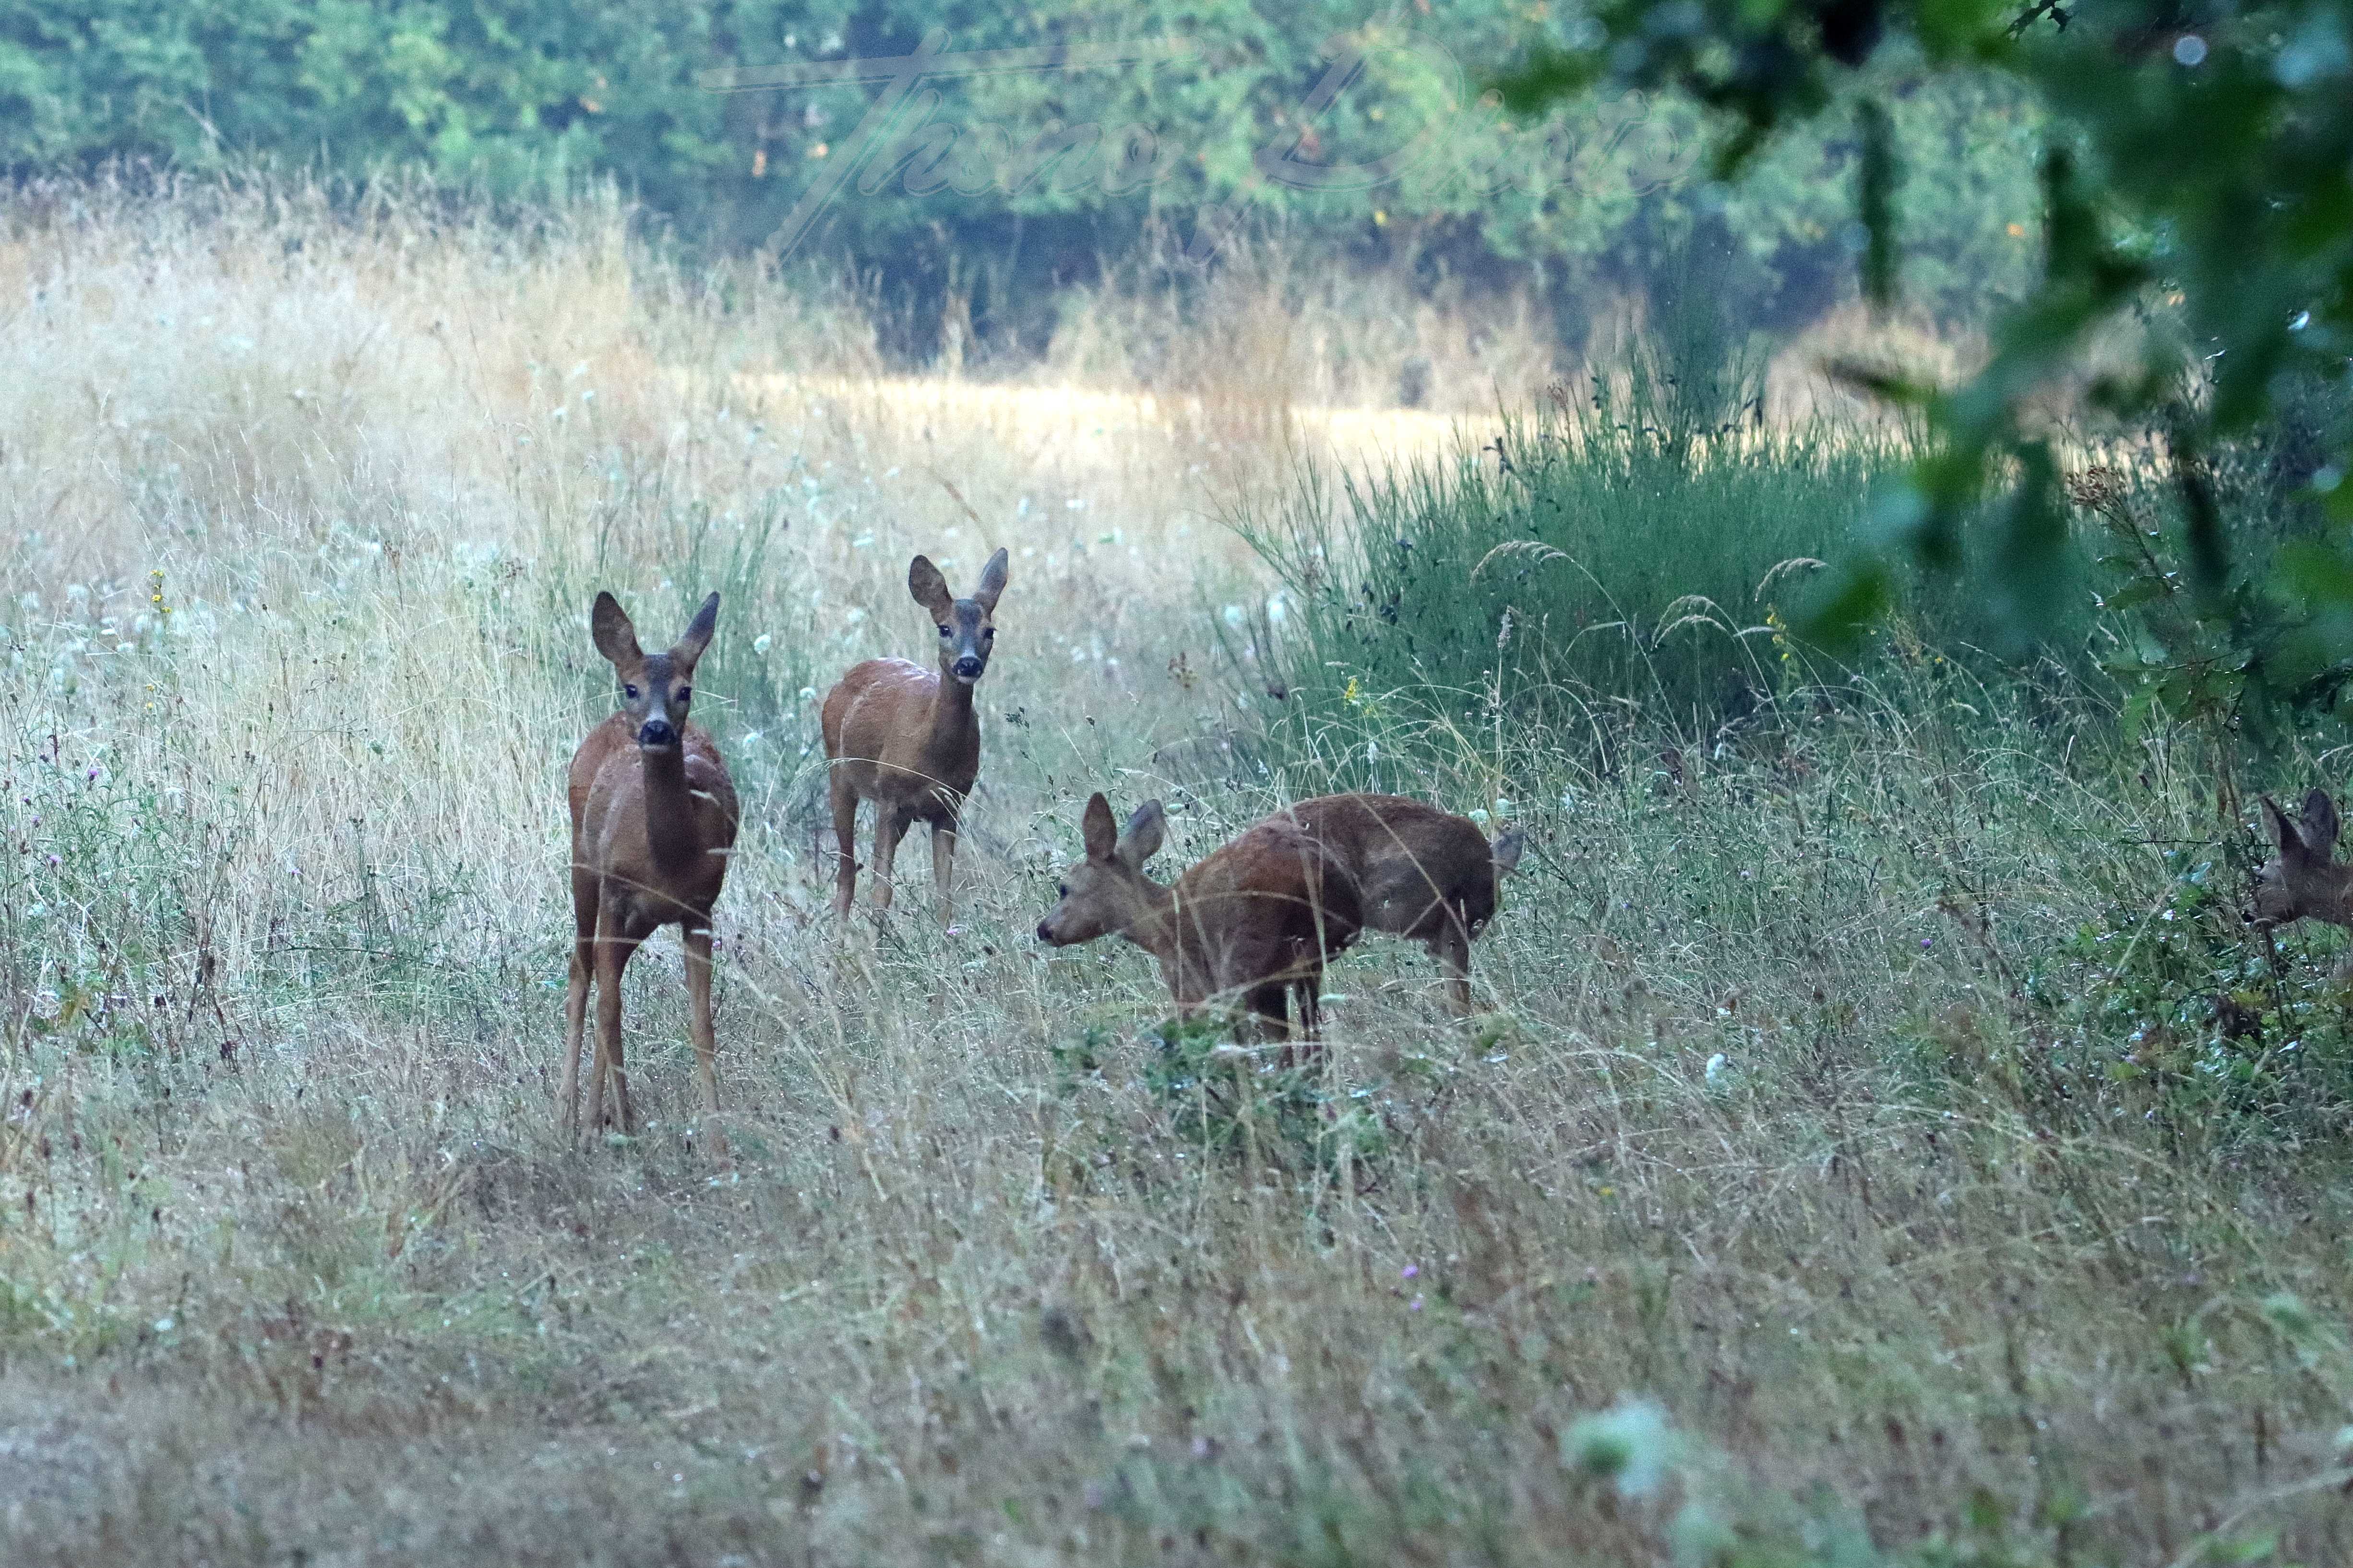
x,y
616,639
930,589
1099,828
2319,822
2283,835
1506,848
689,647
1144,831
992,581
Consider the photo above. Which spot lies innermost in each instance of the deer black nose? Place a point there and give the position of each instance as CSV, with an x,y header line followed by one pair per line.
x,y
657,733
967,668
1045,931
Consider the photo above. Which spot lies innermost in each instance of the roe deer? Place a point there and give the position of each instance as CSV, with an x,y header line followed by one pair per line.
x,y
906,738
653,822
1253,922
1422,872
2302,879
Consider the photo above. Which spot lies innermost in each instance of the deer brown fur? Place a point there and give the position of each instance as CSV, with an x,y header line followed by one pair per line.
x,y
653,823
1253,923
2303,880
907,738
1422,873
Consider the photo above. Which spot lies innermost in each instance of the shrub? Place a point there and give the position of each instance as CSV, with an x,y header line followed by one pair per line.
x,y
1621,552
2184,1015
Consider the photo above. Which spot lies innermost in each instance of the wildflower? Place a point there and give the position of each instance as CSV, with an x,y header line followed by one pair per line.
x,y
1411,1272
760,643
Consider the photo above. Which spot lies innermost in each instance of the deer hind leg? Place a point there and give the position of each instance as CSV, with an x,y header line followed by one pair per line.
x,y
706,1044
614,947
1269,1012
1268,1008
843,796
1306,993
1309,993
944,842
890,826
576,998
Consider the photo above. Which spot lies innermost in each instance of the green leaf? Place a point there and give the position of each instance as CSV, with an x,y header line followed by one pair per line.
x,y
1843,603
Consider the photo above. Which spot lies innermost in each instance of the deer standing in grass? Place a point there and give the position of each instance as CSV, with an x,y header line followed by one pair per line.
x,y
907,739
653,822
1422,873
1254,922
2303,880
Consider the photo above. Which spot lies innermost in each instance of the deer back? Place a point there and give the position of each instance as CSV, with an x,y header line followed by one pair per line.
x,y
1412,861
1273,904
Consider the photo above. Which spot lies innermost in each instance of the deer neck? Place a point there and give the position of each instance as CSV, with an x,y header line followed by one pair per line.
x,y
2333,903
673,829
953,724
1155,929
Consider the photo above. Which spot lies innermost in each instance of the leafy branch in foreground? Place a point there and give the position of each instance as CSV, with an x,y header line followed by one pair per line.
x,y
2198,149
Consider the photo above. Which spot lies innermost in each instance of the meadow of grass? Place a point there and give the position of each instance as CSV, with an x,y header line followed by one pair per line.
x,y
1857,1163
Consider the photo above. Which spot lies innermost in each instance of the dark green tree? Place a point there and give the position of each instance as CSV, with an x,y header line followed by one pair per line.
x,y
2196,166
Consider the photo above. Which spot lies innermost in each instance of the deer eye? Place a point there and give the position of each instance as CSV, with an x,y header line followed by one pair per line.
x,y
630,692
684,692
944,631
988,634
1062,890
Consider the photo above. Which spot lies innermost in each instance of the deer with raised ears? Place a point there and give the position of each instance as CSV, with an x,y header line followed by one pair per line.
x,y
1422,873
1253,923
2303,880
653,823
907,738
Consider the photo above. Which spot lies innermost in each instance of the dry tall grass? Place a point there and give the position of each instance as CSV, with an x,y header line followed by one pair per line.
x,y
293,1267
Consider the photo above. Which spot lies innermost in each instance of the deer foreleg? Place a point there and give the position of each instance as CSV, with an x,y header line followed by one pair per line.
x,y
706,1043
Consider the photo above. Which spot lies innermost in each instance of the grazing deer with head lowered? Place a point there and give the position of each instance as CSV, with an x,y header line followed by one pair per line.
x,y
2303,880
1422,873
1254,922
907,739
653,822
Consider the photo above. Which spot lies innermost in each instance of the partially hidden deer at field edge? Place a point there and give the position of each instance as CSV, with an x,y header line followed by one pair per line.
x,y
653,824
1424,874
2302,879
907,738
1254,922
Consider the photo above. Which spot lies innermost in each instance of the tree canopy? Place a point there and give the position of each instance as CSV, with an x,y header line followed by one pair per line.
x,y
2196,153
